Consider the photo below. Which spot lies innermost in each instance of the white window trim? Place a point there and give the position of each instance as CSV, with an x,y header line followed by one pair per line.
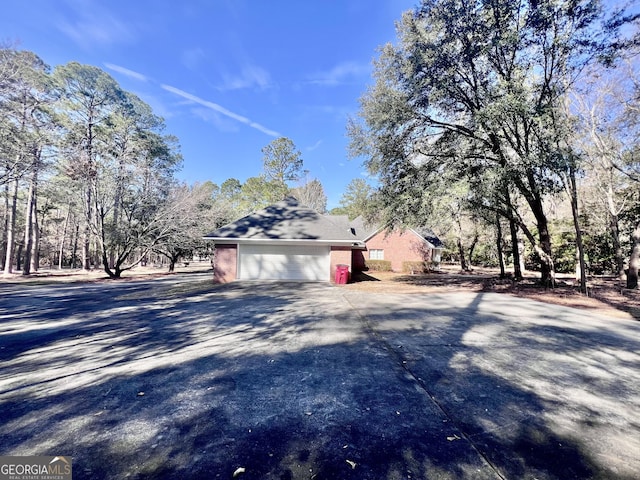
x,y
378,255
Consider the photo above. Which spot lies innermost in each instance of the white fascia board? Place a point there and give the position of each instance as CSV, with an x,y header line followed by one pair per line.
x,y
283,241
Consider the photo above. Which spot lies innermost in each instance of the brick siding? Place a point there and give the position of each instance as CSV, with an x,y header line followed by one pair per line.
x,y
399,247
339,256
225,264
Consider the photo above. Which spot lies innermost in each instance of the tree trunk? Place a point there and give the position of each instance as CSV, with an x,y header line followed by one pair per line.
x,y
573,194
19,256
521,257
634,260
499,247
91,179
543,247
117,203
108,264
530,190
28,228
35,251
64,235
86,239
513,231
472,248
11,229
614,231
463,260
3,250
74,255
515,250
107,267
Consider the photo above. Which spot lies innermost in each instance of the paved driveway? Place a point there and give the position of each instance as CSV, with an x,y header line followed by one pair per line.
x,y
176,378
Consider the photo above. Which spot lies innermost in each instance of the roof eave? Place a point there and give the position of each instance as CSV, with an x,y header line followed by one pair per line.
x,y
314,241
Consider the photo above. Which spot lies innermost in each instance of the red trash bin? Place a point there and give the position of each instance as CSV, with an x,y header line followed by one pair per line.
x,y
342,274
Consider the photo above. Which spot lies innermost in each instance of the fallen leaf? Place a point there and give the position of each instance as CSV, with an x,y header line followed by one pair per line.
x,y
239,471
454,437
141,394
352,463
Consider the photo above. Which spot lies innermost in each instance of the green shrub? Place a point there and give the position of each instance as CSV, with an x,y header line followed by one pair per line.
x,y
378,265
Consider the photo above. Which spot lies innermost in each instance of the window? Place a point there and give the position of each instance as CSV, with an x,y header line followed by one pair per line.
x,y
376,254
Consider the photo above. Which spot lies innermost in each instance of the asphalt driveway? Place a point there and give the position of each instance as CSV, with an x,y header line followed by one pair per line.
x,y
177,378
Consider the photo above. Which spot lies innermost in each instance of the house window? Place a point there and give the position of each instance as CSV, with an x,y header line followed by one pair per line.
x,y
376,254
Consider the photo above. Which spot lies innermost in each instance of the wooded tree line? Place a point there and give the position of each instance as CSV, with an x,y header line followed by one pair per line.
x,y
87,175
514,117
86,169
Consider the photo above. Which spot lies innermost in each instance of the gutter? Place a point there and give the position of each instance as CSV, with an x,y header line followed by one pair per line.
x,y
289,241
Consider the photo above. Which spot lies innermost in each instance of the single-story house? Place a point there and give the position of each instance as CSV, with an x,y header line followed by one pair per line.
x,y
399,246
288,241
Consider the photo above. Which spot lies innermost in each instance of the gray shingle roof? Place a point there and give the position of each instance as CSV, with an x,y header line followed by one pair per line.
x,y
288,220
429,236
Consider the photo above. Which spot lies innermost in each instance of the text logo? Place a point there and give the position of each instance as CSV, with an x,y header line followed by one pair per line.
x,y
35,468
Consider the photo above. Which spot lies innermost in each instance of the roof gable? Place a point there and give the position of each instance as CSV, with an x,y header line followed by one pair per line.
x,y
428,236
424,234
287,220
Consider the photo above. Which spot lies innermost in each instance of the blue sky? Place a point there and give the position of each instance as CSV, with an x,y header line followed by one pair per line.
x,y
228,76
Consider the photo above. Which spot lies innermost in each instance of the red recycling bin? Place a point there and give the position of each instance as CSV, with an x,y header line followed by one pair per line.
x,y
342,274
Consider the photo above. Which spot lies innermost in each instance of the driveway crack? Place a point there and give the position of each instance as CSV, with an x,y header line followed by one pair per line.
x,y
400,361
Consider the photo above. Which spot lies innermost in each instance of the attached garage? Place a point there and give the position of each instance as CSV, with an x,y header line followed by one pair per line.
x,y
291,242
284,262
285,241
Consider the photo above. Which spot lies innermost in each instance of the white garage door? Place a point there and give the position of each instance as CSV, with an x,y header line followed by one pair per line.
x,y
290,262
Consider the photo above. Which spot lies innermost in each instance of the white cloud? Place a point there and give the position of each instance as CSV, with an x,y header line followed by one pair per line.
x,y
251,76
222,123
94,25
220,109
158,107
126,72
340,74
314,146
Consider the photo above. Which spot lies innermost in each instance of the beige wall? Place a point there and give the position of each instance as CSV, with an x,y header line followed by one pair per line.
x,y
225,266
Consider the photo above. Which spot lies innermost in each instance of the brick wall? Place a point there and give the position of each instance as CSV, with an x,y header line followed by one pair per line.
x,y
399,247
225,263
339,256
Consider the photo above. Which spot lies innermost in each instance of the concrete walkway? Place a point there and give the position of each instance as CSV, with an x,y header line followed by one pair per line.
x,y
176,378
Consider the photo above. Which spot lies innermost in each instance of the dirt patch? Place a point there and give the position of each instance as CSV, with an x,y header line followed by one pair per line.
x,y
607,295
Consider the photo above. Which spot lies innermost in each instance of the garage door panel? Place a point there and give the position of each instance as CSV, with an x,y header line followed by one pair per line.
x,y
295,262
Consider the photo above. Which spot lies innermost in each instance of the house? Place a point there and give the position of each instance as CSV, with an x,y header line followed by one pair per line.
x,y
288,241
402,246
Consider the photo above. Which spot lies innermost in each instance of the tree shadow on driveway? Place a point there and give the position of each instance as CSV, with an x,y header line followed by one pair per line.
x,y
541,391
288,381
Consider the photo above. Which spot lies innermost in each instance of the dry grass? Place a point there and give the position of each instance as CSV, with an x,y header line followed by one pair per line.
x,y
607,295
53,275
